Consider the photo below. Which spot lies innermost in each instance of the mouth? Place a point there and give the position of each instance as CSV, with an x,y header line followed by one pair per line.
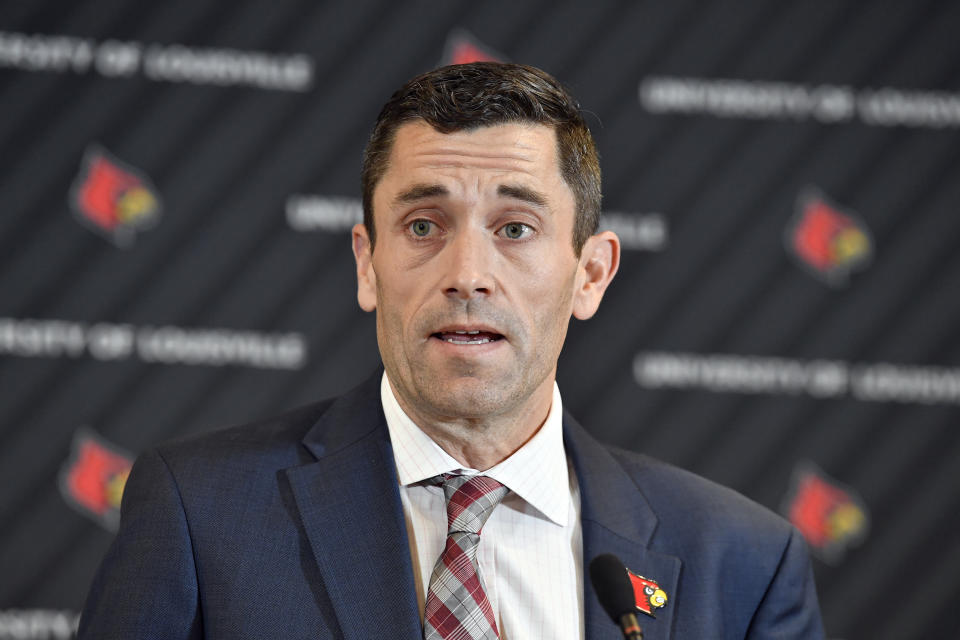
x,y
467,336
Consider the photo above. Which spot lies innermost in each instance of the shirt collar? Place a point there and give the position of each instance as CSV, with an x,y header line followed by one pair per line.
x,y
537,471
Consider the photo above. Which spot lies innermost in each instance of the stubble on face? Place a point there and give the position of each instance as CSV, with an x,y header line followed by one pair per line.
x,y
463,389
527,286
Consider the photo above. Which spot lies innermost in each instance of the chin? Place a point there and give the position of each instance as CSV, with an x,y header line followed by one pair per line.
x,y
470,398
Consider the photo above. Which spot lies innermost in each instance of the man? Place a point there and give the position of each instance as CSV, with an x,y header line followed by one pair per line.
x,y
481,192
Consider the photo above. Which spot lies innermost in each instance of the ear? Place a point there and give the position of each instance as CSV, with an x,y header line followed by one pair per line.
x,y
599,262
366,276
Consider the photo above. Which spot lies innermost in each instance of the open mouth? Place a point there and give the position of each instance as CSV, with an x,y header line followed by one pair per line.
x,y
467,337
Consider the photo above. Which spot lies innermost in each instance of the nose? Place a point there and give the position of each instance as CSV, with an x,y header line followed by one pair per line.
x,y
468,271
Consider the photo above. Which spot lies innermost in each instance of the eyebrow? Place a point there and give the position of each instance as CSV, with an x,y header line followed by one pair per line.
x,y
424,191
518,192
420,192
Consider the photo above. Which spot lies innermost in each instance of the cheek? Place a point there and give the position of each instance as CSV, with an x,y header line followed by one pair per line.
x,y
397,309
389,312
551,301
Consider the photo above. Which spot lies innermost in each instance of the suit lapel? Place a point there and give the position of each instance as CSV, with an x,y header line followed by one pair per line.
x,y
617,519
350,507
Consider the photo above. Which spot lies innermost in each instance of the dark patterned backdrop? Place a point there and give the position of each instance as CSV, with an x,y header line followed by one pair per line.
x,y
178,178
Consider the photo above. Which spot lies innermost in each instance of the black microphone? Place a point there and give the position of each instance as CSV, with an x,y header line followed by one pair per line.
x,y
613,587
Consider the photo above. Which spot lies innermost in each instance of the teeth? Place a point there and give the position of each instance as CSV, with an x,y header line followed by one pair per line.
x,y
464,337
475,341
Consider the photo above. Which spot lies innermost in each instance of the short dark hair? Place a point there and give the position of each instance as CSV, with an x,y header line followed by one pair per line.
x,y
480,94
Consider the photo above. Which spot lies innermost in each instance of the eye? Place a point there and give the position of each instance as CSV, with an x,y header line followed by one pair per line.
x,y
421,228
515,230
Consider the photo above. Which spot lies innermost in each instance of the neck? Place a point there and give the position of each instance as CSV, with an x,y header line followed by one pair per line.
x,y
483,442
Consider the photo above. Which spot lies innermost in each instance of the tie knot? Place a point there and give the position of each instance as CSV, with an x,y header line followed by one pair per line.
x,y
470,501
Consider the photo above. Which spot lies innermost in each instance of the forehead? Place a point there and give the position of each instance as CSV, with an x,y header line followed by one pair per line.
x,y
524,150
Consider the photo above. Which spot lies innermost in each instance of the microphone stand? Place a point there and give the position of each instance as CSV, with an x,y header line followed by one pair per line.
x,y
631,627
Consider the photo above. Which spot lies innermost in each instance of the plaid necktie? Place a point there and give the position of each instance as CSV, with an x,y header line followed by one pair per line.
x,y
457,607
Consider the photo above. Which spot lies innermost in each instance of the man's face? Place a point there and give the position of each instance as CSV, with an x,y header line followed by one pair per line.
x,y
474,276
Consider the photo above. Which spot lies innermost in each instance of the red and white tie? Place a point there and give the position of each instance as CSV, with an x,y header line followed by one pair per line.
x,y
457,607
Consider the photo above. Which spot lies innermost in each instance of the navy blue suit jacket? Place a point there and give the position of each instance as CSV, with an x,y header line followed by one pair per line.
x,y
293,528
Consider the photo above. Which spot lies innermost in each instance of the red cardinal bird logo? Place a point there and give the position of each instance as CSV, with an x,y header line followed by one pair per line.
x,y
647,593
829,242
113,198
830,516
462,48
94,477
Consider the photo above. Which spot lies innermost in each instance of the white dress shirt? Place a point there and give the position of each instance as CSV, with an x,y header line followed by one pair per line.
x,y
531,548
